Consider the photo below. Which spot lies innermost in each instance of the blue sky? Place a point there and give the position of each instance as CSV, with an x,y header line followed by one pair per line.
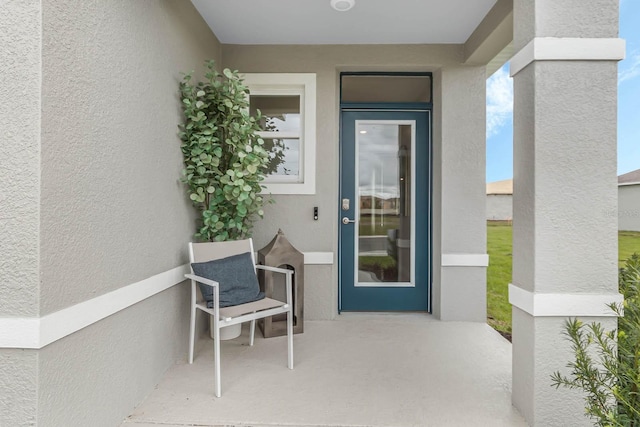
x,y
500,105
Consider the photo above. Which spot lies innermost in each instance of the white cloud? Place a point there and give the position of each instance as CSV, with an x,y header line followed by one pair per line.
x,y
630,68
499,100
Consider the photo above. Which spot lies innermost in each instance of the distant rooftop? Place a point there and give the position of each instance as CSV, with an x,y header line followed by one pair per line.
x,y
506,186
500,187
632,177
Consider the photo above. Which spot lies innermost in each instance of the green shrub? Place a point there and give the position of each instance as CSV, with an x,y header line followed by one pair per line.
x,y
225,160
609,374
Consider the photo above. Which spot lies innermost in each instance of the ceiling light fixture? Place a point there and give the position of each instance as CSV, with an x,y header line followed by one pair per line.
x,y
342,5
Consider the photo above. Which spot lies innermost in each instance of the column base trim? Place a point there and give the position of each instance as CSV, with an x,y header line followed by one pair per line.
x,y
563,305
567,49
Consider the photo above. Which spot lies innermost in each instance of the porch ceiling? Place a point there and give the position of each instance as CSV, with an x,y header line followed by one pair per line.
x,y
369,22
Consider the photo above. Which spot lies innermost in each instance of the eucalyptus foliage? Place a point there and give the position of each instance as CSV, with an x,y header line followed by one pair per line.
x,y
225,160
607,363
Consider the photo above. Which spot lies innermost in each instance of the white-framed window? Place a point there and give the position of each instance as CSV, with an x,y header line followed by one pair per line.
x,y
287,102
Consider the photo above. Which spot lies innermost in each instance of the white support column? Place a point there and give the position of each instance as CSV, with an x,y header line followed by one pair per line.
x,y
564,240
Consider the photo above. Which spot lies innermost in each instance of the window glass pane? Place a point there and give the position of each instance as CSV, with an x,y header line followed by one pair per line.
x,y
279,113
285,158
386,89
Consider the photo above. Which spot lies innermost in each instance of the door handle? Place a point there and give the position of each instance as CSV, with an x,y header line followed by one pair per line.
x,y
346,220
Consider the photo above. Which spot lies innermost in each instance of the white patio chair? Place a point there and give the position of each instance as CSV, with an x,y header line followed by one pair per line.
x,y
227,316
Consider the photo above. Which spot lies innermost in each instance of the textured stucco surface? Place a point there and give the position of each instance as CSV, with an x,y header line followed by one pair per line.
x,y
96,376
629,207
539,349
463,160
499,206
464,93
113,211
436,198
524,116
459,194
20,42
18,387
560,168
463,294
89,138
565,189
570,18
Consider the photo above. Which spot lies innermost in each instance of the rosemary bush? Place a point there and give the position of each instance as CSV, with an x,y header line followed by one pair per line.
x,y
224,158
609,374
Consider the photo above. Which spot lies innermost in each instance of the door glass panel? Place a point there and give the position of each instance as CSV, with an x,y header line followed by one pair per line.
x,y
383,184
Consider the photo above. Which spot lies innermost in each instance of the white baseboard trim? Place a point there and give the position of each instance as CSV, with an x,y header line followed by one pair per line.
x,y
318,258
567,49
465,260
36,333
563,305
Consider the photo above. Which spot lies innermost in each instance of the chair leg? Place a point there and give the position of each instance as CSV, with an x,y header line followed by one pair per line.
x,y
192,323
216,357
252,332
290,337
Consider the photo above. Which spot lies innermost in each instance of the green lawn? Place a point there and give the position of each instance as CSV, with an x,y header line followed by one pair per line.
x,y
499,236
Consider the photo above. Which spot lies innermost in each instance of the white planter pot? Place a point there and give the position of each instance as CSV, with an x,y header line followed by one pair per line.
x,y
228,332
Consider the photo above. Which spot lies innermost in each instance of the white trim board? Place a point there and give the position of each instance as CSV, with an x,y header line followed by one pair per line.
x,y
38,332
563,305
465,260
318,258
567,49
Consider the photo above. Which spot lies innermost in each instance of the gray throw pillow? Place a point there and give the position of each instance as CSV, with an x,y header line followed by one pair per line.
x,y
236,276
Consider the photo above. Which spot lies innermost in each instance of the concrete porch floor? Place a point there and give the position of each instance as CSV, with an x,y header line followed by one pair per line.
x,y
359,370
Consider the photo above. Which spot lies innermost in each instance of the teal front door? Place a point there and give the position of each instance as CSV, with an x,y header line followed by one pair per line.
x,y
385,211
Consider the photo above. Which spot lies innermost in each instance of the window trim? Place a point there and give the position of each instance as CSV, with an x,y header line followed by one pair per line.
x,y
303,84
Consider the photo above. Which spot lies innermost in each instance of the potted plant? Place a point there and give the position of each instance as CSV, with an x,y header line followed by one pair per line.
x,y
225,159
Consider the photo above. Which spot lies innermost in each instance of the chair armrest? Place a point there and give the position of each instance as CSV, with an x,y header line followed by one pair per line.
x,y
275,269
202,280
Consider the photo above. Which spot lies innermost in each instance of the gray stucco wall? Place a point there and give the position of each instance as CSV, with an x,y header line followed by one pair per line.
x,y
460,294
629,207
96,376
20,39
499,207
92,120
110,155
463,89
